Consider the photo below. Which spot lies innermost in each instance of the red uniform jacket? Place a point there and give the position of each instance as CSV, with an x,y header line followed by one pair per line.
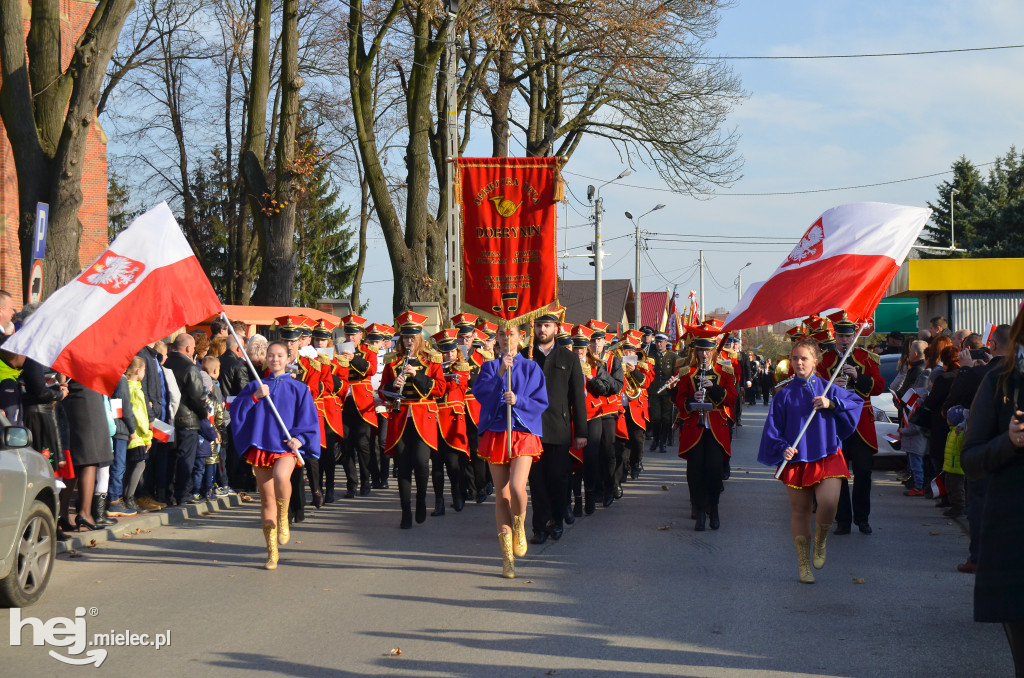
x,y
476,359
451,407
869,382
310,374
418,403
334,377
722,393
611,404
360,369
637,410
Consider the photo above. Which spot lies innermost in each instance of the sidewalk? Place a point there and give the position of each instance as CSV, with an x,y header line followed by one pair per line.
x,y
172,515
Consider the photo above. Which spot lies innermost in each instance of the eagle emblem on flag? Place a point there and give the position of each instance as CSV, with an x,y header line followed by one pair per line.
x,y
113,272
810,246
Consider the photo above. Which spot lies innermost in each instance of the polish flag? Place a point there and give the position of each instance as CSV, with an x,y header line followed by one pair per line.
x,y
845,260
145,286
162,431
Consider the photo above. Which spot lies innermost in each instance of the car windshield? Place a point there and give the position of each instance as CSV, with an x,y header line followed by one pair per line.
x,y
888,368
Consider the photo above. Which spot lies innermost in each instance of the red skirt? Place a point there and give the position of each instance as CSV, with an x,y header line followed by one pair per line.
x,y
493,446
264,459
801,475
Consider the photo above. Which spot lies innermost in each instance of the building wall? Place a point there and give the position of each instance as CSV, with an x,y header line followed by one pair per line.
x,y
92,215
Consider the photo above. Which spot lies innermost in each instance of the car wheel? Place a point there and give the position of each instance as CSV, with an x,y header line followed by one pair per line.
x,y
36,552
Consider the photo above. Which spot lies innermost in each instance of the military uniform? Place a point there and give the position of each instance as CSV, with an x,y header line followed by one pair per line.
x,y
452,441
359,415
663,366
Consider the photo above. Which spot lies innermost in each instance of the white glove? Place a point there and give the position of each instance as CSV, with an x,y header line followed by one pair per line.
x,y
309,352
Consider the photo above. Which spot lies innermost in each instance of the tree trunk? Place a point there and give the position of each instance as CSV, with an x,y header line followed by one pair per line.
x,y
364,223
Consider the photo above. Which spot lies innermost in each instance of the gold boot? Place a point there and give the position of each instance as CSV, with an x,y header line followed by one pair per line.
x,y
519,535
803,559
283,534
820,534
270,534
508,566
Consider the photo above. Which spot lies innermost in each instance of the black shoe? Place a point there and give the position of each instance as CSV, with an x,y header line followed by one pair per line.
x,y
577,508
842,528
406,523
864,527
364,490
634,474
588,503
556,532
81,522
662,449
438,508
329,497
698,526
569,517
490,488
726,475
318,499
458,503
953,512
713,522
609,499
349,494
943,503
481,496
618,491
539,537
738,424
421,509
99,511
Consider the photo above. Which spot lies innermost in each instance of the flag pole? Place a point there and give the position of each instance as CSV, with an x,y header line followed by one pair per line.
x,y
508,406
256,375
838,370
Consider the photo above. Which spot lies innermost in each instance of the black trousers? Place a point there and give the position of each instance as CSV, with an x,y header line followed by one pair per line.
x,y
446,458
704,467
858,456
184,461
377,439
328,461
607,480
740,391
357,438
412,457
634,445
474,468
297,503
592,468
977,490
660,406
549,485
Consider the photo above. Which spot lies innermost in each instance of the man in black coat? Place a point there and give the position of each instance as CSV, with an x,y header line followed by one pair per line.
x,y
234,373
191,411
566,413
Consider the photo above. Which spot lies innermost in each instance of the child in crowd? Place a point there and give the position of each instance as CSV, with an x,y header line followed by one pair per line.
x,y
124,426
141,437
205,468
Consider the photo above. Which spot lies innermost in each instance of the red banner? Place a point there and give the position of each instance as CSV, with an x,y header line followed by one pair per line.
x,y
508,237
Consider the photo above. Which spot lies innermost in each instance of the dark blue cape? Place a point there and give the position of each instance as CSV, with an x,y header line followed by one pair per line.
x,y
253,424
531,396
790,408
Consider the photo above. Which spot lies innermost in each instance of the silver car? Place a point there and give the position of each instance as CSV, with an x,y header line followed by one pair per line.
x,y
28,509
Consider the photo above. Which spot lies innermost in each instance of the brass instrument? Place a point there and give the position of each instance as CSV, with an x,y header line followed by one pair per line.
x,y
782,370
701,406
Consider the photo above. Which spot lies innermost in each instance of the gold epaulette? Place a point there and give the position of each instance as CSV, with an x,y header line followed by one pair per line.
x,y
727,368
436,357
681,362
650,361
390,357
485,354
342,361
874,356
461,366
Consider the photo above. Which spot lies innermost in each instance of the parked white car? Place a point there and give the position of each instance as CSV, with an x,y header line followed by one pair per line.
x,y
28,524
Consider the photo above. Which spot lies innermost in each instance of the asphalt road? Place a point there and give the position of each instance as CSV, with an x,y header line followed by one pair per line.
x,y
631,590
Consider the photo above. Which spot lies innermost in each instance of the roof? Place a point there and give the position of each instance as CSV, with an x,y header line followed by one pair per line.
x,y
577,296
264,315
920,277
653,308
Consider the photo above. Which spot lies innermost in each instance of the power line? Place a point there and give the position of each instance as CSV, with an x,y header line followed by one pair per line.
x,y
704,235
869,55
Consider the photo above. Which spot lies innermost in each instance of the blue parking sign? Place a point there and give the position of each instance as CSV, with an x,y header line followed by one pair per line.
x,y
42,222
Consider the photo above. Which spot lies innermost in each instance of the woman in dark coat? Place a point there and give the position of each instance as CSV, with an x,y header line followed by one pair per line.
x,y
90,446
938,427
994,448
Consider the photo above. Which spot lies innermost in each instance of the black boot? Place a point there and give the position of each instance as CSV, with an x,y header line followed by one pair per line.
x,y
406,523
459,501
99,511
438,507
588,502
569,517
350,489
713,521
577,507
699,525
421,507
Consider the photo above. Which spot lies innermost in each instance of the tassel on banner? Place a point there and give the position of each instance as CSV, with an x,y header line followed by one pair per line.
x,y
457,184
559,187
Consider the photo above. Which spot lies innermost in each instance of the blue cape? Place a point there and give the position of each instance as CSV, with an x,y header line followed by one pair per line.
x,y
254,425
531,396
790,408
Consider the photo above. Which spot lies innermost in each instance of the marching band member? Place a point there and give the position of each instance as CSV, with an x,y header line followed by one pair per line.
x,y
606,485
333,379
861,374
307,370
631,428
261,442
660,402
565,423
452,442
411,381
563,338
816,464
377,340
599,385
359,414
511,380
703,392
474,469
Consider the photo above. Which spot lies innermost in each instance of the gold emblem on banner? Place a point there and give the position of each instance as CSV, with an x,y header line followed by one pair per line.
x,y
503,207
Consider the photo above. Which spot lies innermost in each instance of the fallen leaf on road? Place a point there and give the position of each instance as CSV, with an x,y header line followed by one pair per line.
x,y
99,581
858,580
92,543
396,652
552,672
325,589
665,487
212,541
299,541
125,536
528,581
664,527
935,534
245,497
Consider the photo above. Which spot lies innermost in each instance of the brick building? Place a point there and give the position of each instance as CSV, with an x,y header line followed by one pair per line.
x,y
92,215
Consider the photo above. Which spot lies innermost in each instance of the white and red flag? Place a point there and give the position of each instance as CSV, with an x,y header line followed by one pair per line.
x,y
845,260
146,285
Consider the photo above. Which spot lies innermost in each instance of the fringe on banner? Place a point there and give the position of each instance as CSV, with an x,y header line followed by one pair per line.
x,y
559,187
457,185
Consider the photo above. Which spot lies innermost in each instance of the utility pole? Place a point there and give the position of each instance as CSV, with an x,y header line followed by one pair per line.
x,y
451,148
637,300
598,256
702,313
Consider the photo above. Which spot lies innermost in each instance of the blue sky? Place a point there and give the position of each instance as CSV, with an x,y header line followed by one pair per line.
x,y
812,124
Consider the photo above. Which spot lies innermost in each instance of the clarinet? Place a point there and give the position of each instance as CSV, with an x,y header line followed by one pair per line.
x,y
700,376
398,401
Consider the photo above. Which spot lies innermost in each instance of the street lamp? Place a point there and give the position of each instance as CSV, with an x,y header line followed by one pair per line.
x,y
595,195
637,303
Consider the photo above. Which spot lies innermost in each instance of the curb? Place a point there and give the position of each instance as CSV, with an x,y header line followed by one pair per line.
x,y
146,521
